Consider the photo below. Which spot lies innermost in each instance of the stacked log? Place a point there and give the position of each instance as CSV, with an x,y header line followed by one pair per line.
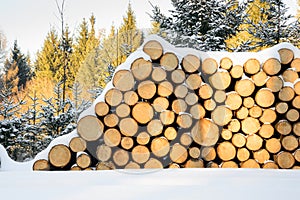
x,y
171,113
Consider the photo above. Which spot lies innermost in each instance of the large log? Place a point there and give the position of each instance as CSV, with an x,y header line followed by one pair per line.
x,y
146,89
59,156
272,66
90,128
191,63
252,66
205,132
286,56
153,49
141,69
142,112
160,146
209,66
221,80
226,151
123,80
169,61
178,153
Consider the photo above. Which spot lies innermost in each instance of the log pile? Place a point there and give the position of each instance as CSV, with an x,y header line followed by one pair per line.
x,y
190,112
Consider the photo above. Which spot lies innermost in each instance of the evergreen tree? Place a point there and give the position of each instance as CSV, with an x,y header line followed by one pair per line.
x,y
201,24
274,26
10,77
2,50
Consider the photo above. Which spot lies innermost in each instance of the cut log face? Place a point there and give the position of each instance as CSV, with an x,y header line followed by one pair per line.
x,y
128,127
193,81
205,132
226,63
252,66
264,98
226,151
178,153
112,137
153,163
131,98
290,75
123,80
251,163
143,138
243,154
209,66
169,61
103,153
142,112
285,160
208,153
121,157
153,49
221,115
286,94
274,83
254,142
90,128
296,64
272,66
155,127
181,91
220,80
260,78
286,56
244,87
237,71
41,165
77,144
59,156
111,120
158,74
140,154
273,145
101,109
113,97
160,104
165,89
191,63
83,161
233,101
160,147
141,69
178,76
170,133
146,89
205,91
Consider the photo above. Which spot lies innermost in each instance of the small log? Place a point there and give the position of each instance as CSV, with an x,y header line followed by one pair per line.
x,y
178,153
226,134
255,111
244,87
153,163
226,151
184,121
234,125
286,94
165,89
186,139
273,145
123,80
181,91
209,66
297,87
105,166
111,120
205,91
131,98
220,80
169,61
191,99
77,144
59,156
237,71
250,163
103,153
160,104
174,166
197,111
292,115
167,117
268,116
101,109
208,153
266,131
41,165
295,64
272,66
146,89
205,132
261,156
179,105
143,138
242,113
283,127
209,104
229,164
243,154
140,154
221,115
192,163
127,143
290,142
160,146
260,78
128,127
290,75
274,83
142,112
194,152
170,133
212,165
113,97
178,76
132,165
220,96
248,102
285,160
281,107
121,157
141,69
158,74
112,137
238,140
153,49
296,102
191,63
123,110
252,66
226,63
296,155
193,81
155,127
90,128
75,168
296,129
254,142
286,56
270,165
83,160
233,101
264,98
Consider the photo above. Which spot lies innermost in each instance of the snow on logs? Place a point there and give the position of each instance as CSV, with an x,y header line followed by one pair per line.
x,y
191,111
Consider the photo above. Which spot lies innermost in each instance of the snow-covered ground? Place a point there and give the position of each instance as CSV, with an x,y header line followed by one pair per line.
x,y
144,184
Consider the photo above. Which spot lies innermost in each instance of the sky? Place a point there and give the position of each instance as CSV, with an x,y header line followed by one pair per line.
x,y
29,21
